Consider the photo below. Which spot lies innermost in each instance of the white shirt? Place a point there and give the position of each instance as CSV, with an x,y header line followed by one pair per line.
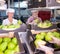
x,y
7,22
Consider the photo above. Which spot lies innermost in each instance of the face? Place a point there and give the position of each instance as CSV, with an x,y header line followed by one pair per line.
x,y
10,14
35,14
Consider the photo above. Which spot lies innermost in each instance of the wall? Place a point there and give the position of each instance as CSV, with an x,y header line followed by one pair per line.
x,y
52,3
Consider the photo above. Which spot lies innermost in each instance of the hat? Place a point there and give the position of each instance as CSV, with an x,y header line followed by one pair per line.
x,y
2,1
10,10
34,11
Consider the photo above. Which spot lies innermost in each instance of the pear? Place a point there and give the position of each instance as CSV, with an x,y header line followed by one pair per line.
x,y
19,22
37,42
39,36
48,36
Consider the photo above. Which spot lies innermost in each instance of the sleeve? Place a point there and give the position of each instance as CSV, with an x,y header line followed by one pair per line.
x,y
15,22
3,23
29,20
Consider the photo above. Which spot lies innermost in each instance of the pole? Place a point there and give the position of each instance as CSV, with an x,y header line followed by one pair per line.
x,y
19,8
12,3
8,3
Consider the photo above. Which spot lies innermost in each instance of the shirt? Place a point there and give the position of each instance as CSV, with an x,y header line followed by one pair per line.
x,y
7,22
31,19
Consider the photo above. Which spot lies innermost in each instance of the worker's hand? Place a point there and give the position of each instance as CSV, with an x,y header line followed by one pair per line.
x,y
33,23
54,40
46,49
11,34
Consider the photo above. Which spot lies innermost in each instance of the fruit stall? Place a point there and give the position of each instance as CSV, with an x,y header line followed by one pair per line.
x,y
21,27
23,38
11,40
10,43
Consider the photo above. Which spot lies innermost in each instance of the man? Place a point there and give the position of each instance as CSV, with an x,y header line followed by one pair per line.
x,y
33,17
10,20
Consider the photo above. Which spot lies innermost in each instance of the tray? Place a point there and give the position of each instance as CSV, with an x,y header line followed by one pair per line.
x,y
21,48
34,27
21,29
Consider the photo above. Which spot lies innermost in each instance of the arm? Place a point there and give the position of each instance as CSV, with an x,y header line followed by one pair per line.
x,y
55,40
46,49
29,20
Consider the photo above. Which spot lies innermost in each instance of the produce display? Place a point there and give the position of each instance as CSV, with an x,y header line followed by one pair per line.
x,y
45,37
9,45
45,24
11,26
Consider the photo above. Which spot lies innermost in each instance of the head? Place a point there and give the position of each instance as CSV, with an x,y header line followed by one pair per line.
x,y
2,2
10,13
35,13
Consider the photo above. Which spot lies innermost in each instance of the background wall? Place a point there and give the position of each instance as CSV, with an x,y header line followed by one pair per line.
x,y
52,3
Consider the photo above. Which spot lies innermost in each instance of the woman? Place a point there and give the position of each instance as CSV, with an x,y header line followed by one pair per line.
x,y
33,17
10,20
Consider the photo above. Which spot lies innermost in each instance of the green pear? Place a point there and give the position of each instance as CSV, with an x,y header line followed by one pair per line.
x,y
1,26
56,34
43,33
40,24
44,24
11,26
37,42
3,46
9,51
19,22
48,36
1,40
17,49
4,27
7,40
36,20
11,46
1,52
39,36
14,40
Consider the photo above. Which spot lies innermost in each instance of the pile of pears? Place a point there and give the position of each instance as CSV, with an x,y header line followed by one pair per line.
x,y
9,45
46,36
45,24
10,26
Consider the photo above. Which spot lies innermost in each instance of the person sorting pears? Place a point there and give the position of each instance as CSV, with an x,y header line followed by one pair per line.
x,y
34,18
10,20
48,50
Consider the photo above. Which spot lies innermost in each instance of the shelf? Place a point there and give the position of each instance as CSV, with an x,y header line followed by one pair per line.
x,y
53,7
